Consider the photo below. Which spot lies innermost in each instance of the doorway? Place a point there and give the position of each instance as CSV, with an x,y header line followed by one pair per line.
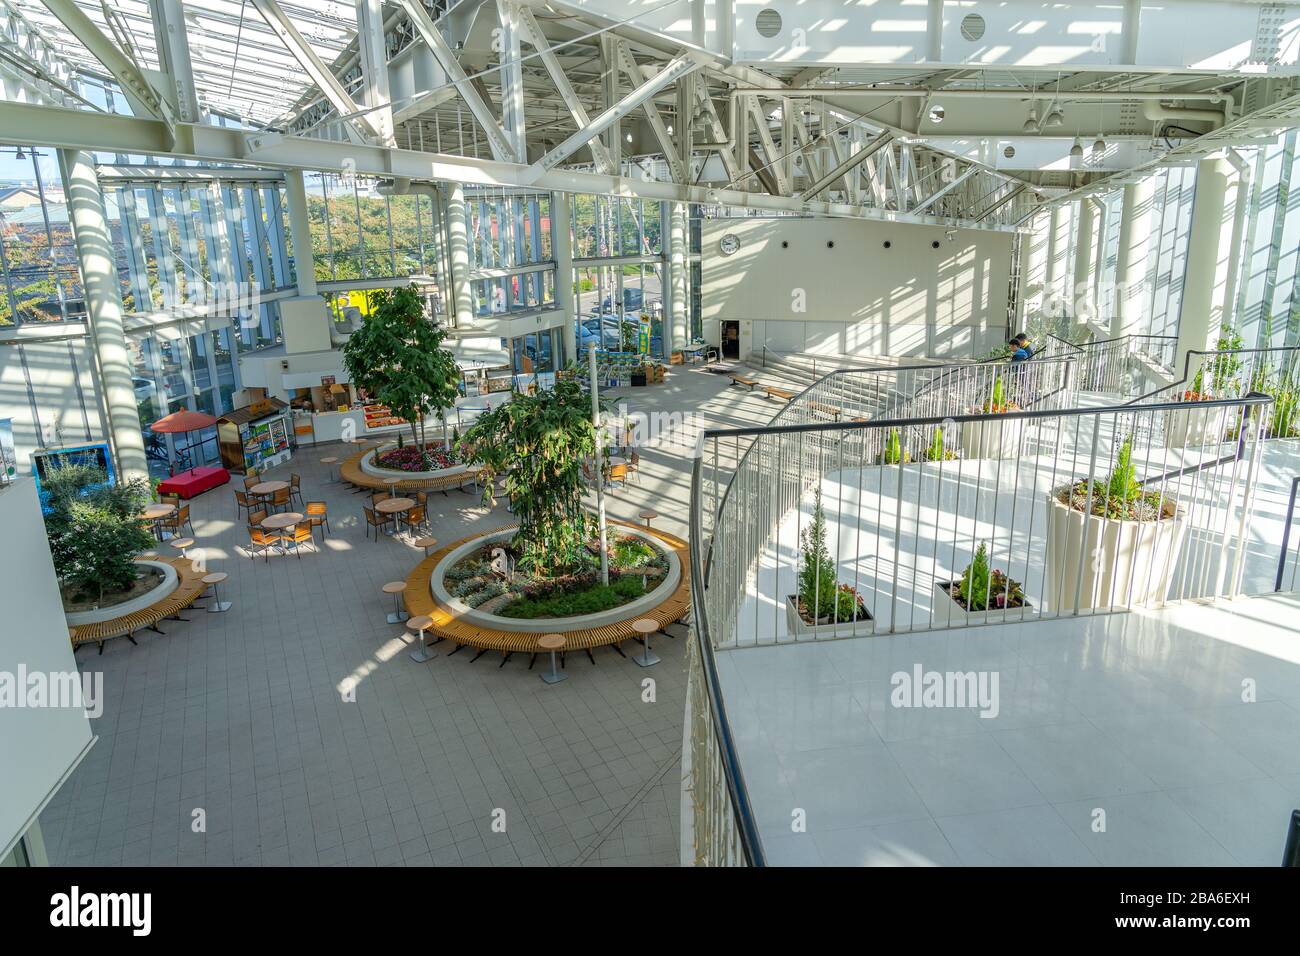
x,y
730,339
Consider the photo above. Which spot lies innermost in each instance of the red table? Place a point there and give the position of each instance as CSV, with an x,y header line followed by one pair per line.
x,y
194,482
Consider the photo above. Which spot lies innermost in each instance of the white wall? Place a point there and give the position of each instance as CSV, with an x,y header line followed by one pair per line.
x,y
38,746
64,398
858,298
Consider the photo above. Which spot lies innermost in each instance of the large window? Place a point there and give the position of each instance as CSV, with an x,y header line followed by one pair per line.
x,y
1268,289
359,233
38,261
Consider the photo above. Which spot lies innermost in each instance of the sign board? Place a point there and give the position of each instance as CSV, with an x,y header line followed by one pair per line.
x,y
327,380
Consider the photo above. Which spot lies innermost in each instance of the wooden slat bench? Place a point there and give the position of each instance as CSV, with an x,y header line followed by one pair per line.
x,y
743,381
419,600
784,394
830,411
351,472
190,585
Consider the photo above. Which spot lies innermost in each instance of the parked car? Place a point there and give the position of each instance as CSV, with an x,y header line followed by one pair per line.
x,y
632,301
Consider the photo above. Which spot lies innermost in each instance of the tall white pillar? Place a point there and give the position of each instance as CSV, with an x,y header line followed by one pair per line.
x,y
1058,270
1132,298
98,262
678,325
458,256
1033,269
562,249
1083,306
295,195
1211,257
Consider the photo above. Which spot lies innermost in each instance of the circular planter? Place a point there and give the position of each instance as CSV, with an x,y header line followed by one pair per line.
x,y
1192,427
546,625
992,438
1108,562
166,586
370,468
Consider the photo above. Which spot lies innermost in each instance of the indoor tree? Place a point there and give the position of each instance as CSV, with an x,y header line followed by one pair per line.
x,y
539,442
397,356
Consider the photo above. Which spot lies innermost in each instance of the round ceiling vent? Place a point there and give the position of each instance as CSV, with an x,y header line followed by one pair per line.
x,y
768,23
972,27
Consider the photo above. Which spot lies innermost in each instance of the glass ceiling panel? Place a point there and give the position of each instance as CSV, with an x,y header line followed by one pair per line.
x,y
240,66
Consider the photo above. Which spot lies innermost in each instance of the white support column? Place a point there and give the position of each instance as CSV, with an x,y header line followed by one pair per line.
x,y
295,194
562,249
512,77
1058,243
458,256
174,56
678,328
1210,257
1082,306
1132,296
98,261
374,69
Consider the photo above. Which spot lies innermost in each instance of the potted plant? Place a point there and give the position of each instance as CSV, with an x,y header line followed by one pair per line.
x,y
1195,426
823,606
993,439
1112,542
980,595
894,453
936,450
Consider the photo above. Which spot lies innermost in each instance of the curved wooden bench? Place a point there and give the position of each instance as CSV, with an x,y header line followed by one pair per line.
x,y
419,600
350,471
188,588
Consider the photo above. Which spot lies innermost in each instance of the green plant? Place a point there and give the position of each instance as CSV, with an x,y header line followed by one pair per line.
x,y
1225,365
893,451
1121,495
590,600
1286,403
398,358
936,451
539,442
982,586
848,606
816,569
95,529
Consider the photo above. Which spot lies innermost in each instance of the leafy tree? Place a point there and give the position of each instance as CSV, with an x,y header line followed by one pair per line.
x,y
397,356
975,584
539,442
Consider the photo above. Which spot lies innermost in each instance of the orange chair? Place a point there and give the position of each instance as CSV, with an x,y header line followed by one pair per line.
x,y
377,521
263,540
297,536
618,473
255,518
318,514
413,518
242,503
251,479
280,500
295,487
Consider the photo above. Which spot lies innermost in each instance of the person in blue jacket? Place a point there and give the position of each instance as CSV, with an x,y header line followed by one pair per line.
x,y
1024,344
1018,351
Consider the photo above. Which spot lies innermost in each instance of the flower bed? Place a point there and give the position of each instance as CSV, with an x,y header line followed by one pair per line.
x,y
487,579
407,458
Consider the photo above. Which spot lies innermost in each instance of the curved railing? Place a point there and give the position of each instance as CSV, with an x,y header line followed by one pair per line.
x,y
919,509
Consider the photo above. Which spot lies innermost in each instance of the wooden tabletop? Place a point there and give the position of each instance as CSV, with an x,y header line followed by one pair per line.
x,y
268,487
216,577
425,542
285,519
421,623
394,587
647,513
181,543
329,461
393,481
645,625
154,512
392,505
550,642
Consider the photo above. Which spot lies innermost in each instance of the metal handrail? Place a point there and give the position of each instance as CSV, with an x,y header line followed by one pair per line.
x,y
1187,366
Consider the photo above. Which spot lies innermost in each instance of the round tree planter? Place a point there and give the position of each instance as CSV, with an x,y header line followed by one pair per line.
x,y
948,612
370,468
1106,562
1195,426
992,438
547,625
166,586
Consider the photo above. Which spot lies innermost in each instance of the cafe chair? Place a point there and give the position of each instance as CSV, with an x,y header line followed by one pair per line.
x,y
280,500
376,521
263,541
295,488
242,504
297,536
255,518
318,514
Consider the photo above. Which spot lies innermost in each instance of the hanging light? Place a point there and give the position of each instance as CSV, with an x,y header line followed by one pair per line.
x,y
1098,147
1076,150
20,155
1031,123
1055,119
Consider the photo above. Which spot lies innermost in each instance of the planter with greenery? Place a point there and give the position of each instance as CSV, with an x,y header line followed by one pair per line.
x,y
980,595
991,438
823,605
894,452
398,358
1111,542
95,530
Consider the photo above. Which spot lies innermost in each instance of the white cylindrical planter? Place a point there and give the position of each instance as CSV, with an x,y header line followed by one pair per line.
x,y
992,438
1123,562
1195,426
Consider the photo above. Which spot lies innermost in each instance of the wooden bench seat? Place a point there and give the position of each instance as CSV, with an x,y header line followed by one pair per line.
x,y
419,600
738,379
782,393
189,586
830,411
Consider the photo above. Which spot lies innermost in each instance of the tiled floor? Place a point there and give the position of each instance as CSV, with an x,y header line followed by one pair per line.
x,y
1151,738
229,741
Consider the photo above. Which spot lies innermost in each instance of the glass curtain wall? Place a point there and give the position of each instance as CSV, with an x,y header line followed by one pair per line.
x,y
1268,289
38,259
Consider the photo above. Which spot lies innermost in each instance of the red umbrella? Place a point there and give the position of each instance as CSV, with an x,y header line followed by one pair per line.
x,y
183,421
178,423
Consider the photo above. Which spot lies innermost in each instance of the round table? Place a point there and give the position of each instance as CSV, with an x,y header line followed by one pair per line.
x,y
264,488
391,506
212,580
155,513
330,461
390,482
425,543
647,514
396,615
285,519
180,544
645,626
420,625
552,643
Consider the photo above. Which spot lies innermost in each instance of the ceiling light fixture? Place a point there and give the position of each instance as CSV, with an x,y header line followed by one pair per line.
x,y
20,154
1076,150
1055,119
1031,123
1098,146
